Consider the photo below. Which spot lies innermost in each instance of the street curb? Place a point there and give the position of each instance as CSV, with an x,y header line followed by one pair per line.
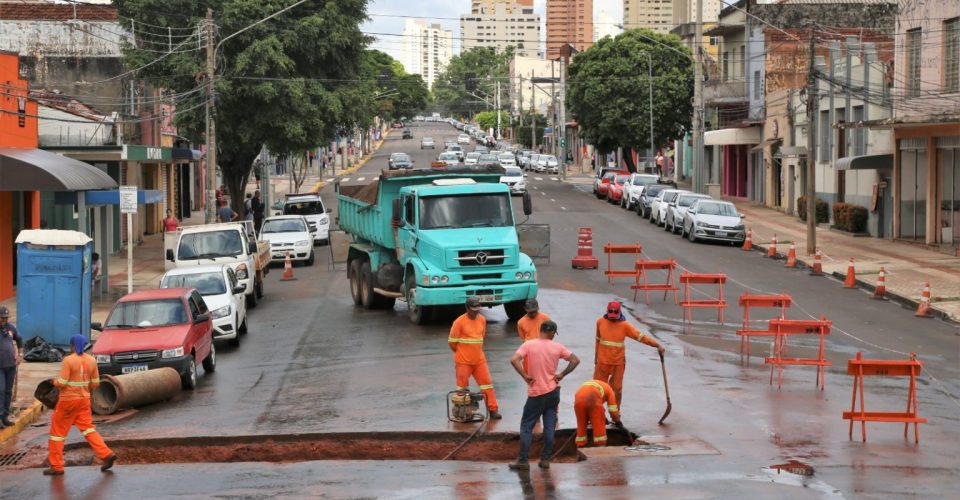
x,y
27,417
363,161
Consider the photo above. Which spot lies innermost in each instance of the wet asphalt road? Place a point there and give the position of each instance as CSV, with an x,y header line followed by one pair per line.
x,y
312,362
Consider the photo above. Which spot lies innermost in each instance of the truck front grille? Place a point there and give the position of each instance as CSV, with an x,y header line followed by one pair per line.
x,y
491,257
136,356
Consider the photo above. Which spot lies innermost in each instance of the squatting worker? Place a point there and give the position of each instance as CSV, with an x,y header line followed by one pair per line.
x,y
11,353
610,356
77,376
588,405
543,390
466,342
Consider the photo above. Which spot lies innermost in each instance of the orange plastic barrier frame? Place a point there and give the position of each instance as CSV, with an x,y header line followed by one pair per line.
x,y
644,267
861,368
688,303
611,249
781,330
747,302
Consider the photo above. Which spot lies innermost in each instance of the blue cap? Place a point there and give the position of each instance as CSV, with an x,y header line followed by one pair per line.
x,y
78,343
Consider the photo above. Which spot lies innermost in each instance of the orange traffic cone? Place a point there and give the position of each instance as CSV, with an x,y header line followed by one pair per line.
x,y
881,288
923,308
287,269
791,256
851,281
772,249
748,243
817,264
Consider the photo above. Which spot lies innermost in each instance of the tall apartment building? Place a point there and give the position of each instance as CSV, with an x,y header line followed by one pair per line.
x,y
569,21
427,48
605,25
685,11
654,15
501,25
512,6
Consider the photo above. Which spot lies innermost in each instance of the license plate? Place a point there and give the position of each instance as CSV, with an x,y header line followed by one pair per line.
x,y
485,298
279,256
133,368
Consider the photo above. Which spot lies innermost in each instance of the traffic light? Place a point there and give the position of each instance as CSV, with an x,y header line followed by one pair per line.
x,y
470,82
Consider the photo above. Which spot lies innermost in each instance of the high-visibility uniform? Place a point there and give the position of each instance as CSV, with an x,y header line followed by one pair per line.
x,y
77,376
529,329
611,355
466,341
588,405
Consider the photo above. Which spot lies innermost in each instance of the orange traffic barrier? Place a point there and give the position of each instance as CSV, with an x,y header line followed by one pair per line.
x,y
585,258
791,256
748,243
688,303
861,368
772,249
923,308
642,282
851,281
783,328
881,289
287,269
817,263
747,302
610,249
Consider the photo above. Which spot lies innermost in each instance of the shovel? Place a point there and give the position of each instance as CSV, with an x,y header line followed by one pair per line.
x,y
663,366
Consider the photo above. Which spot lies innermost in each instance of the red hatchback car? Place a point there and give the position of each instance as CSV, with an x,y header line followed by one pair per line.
x,y
167,327
615,189
604,186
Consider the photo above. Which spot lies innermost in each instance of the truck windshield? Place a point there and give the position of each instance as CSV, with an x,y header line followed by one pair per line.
x,y
306,207
475,210
205,283
144,313
210,244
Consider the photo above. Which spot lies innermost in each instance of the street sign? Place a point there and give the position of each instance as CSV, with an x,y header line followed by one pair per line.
x,y
128,199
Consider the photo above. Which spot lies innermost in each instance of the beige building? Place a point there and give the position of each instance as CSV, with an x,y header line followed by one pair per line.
x,y
427,48
569,21
512,6
524,95
501,25
605,25
654,15
685,11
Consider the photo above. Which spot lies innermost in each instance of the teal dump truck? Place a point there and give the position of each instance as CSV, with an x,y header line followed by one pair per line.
x,y
434,237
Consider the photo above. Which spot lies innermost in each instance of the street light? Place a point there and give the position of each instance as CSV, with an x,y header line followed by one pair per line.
x,y
650,91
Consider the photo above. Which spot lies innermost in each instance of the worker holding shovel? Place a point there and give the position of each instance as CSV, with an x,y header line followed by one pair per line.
x,y
610,354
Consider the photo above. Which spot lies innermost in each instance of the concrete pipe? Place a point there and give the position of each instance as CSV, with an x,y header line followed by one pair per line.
x,y
134,389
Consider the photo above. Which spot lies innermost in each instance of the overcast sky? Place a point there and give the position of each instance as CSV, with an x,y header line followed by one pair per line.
x,y
444,12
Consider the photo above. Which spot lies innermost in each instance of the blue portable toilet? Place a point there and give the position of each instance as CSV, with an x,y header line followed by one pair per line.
x,y
53,284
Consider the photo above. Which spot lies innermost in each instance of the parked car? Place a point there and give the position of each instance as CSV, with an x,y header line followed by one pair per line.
x,y
426,143
463,139
310,206
455,148
472,158
532,162
615,189
715,220
288,234
604,186
548,164
481,149
507,160
601,171
678,208
514,178
488,159
400,161
450,158
658,209
158,328
633,188
222,293
650,193
407,134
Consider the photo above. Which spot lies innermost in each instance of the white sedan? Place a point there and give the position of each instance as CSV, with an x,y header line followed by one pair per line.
x,y
288,235
513,177
658,209
222,293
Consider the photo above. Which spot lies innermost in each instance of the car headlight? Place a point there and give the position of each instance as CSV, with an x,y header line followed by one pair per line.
x,y
242,272
301,243
103,359
324,221
220,313
172,353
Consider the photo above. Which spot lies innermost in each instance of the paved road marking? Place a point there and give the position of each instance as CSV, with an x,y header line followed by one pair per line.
x,y
543,193
553,200
345,179
554,178
563,208
538,178
362,179
376,178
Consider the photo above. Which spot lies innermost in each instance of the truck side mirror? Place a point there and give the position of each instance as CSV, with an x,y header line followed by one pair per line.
x,y
397,210
170,255
527,204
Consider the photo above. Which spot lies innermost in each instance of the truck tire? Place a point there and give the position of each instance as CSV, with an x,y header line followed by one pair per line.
x,y
419,315
258,288
368,297
353,272
514,309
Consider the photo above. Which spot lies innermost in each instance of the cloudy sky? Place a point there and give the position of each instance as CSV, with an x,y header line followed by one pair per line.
x,y
384,17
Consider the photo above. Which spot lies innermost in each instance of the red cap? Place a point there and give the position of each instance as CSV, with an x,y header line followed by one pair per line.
x,y
613,310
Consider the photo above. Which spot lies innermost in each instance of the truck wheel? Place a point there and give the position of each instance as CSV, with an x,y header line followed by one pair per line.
x,y
514,309
258,288
367,296
419,315
353,272
189,379
210,362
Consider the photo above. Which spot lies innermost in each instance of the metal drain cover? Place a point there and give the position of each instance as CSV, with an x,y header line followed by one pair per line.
x,y
11,458
647,447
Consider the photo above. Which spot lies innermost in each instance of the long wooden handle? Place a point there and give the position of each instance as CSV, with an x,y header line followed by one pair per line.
x,y
663,367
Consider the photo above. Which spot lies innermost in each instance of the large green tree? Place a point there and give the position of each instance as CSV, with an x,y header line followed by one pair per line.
x,y
607,91
469,78
289,82
397,93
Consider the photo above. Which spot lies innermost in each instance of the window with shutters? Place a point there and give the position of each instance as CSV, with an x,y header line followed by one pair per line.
x,y
951,55
914,44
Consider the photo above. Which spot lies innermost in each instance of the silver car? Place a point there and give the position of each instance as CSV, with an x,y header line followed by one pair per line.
x,y
426,142
678,208
658,209
716,220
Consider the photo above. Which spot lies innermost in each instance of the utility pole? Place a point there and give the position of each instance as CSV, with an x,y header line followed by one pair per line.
x,y
813,103
497,104
650,91
533,114
698,180
562,126
211,125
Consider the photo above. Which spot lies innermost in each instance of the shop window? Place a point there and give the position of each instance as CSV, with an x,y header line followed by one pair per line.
x,y
948,161
824,133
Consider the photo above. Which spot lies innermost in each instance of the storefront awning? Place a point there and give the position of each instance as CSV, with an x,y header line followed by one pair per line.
x,y
24,169
765,143
109,197
732,136
865,162
793,151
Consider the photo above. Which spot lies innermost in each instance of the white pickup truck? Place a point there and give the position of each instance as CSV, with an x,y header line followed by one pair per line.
x,y
231,243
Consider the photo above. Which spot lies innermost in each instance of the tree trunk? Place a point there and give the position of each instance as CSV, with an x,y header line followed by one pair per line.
x,y
236,167
628,159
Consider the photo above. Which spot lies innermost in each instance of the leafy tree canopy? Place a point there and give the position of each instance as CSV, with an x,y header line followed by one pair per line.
x,y
479,69
488,119
607,90
397,93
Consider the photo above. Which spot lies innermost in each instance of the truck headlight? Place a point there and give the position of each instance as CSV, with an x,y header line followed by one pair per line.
x,y
221,312
444,279
242,272
435,280
103,359
526,275
518,276
172,353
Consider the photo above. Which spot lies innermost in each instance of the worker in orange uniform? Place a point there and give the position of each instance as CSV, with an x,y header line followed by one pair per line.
x,y
466,342
610,360
77,376
528,327
588,405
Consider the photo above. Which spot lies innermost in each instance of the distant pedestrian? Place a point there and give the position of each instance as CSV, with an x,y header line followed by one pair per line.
x,y
256,204
96,267
78,375
170,223
248,207
11,353
610,357
542,356
466,342
660,170
258,171
226,214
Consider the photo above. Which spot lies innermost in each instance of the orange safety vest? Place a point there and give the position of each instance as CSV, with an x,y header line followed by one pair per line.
x,y
529,328
610,337
602,392
77,375
466,338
